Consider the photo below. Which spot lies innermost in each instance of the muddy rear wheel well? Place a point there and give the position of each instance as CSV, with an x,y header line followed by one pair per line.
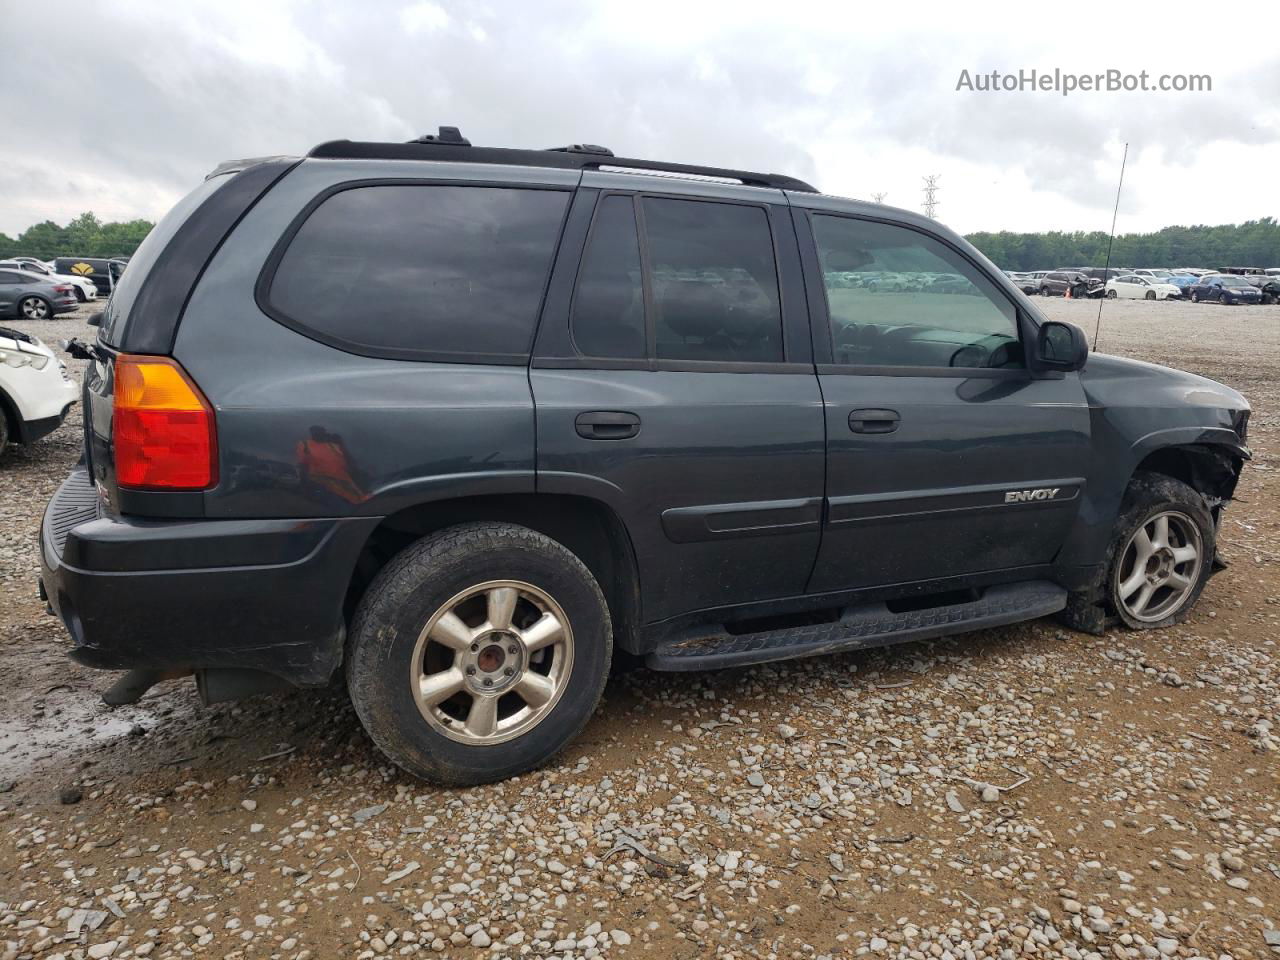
x,y
589,528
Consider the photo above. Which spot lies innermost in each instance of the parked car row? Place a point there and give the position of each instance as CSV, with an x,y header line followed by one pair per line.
x,y
32,289
1232,285
84,288
886,281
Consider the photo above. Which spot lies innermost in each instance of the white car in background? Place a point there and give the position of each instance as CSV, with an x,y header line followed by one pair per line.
x,y
35,390
85,288
1130,286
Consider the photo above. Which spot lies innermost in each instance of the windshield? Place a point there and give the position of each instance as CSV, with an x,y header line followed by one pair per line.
x,y
1235,282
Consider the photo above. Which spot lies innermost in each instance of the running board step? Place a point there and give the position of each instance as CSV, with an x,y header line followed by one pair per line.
x,y
866,625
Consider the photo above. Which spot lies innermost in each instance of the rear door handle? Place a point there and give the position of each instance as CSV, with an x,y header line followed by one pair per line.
x,y
607,425
873,421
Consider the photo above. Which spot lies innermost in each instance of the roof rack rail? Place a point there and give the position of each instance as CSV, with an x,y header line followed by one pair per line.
x,y
449,144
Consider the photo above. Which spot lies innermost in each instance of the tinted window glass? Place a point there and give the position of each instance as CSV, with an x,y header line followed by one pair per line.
x,y
415,270
715,283
608,306
10,278
901,298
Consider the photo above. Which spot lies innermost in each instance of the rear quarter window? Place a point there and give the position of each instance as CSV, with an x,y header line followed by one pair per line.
x,y
420,271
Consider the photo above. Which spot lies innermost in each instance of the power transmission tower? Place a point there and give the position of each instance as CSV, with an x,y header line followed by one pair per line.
x,y
878,197
931,196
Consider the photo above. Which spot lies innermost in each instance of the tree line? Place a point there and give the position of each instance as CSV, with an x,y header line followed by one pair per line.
x,y
85,236
1255,243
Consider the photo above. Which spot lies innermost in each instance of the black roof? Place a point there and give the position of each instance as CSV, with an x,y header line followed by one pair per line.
x,y
450,146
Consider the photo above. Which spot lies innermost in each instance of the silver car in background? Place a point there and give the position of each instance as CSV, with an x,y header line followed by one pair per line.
x,y
30,296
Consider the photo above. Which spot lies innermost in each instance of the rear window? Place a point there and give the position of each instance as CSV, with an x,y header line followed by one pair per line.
x,y
125,291
421,271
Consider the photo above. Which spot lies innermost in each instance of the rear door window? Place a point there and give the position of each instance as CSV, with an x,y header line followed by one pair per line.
x,y
421,271
685,280
714,281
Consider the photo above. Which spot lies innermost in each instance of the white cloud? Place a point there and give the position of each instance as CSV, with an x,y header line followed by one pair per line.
x,y
424,17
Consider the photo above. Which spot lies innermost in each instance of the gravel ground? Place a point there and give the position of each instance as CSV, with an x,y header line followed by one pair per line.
x,y
1021,791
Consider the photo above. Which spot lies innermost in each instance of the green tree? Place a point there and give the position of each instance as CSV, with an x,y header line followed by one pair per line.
x,y
85,236
1255,243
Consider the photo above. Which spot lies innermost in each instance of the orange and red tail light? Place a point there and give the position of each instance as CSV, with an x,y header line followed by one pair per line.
x,y
163,429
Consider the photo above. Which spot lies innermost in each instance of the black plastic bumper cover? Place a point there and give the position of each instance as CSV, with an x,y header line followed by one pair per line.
x,y
29,431
256,594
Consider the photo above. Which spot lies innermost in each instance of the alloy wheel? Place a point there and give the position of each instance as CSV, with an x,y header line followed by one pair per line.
x,y
33,308
1159,567
492,662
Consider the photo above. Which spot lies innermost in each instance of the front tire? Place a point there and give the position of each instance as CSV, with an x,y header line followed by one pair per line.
x,y
1111,294
1151,295
1162,555
478,653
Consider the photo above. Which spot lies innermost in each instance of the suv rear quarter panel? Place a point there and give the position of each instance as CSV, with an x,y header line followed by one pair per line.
x,y
394,433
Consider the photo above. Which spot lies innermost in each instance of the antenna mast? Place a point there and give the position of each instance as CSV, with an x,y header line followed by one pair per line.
x,y
1106,270
878,197
931,196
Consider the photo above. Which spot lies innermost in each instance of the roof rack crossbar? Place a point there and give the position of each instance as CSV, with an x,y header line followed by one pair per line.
x,y
590,158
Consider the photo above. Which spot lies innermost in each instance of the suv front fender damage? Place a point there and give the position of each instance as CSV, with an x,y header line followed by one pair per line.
x,y
1212,468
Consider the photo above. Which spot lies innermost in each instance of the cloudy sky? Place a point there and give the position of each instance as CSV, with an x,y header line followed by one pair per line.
x,y
131,103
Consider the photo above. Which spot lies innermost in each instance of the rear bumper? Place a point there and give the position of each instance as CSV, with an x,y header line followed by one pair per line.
x,y
262,595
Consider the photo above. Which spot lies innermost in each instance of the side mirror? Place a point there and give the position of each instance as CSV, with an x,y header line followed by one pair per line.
x,y
95,320
1060,346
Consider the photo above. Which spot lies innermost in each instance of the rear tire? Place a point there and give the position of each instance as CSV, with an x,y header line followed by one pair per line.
x,y
1162,553
35,308
1151,295
459,666
4,429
